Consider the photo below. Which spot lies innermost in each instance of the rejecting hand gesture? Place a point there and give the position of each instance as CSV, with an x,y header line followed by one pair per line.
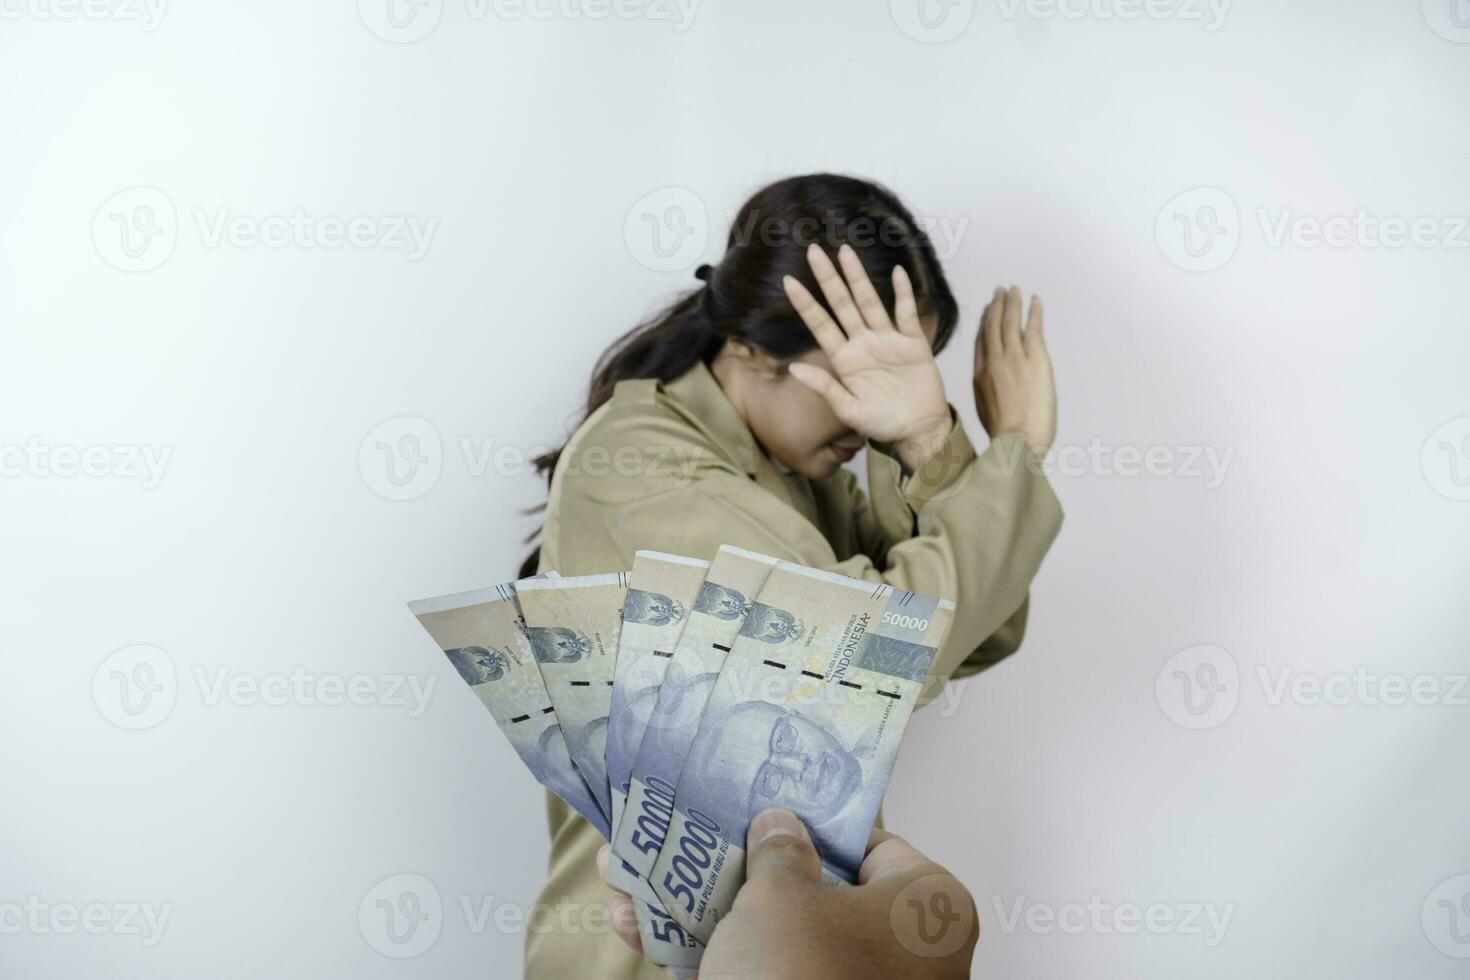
x,y
886,385
1015,390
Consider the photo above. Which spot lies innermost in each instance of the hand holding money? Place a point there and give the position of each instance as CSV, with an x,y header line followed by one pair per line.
x,y
672,703
907,917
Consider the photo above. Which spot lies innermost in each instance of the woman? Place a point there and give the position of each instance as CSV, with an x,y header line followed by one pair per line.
x,y
727,418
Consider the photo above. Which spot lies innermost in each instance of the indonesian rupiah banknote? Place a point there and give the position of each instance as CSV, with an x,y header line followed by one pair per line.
x,y
706,692
484,636
572,624
807,714
660,592
720,606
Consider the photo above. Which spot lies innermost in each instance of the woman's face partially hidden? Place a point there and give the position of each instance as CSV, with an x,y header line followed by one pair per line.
x,y
792,422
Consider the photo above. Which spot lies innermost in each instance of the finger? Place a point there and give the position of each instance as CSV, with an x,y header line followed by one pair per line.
x,y
892,856
604,854
987,399
980,339
624,920
869,303
1035,330
832,286
1011,322
876,836
778,844
991,326
820,380
828,334
905,309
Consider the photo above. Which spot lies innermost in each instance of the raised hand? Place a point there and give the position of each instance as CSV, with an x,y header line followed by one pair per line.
x,y
887,385
1015,390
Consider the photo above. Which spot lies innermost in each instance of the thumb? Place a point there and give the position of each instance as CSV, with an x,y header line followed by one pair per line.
x,y
779,844
890,856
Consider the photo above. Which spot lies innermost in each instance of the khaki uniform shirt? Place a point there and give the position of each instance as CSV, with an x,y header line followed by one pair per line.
x,y
673,467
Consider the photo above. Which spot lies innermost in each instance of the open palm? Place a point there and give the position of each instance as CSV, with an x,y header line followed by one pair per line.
x,y
887,385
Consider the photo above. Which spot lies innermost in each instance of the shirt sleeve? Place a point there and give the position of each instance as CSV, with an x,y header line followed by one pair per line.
x,y
886,516
982,525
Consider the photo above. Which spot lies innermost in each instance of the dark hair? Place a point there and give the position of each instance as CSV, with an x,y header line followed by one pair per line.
x,y
743,299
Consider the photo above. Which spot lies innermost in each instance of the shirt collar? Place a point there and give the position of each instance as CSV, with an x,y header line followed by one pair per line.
x,y
700,395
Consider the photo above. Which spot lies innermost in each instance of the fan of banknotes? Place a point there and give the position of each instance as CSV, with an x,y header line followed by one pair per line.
x,y
671,703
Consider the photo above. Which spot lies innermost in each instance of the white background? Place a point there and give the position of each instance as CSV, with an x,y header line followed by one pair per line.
x,y
1334,544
